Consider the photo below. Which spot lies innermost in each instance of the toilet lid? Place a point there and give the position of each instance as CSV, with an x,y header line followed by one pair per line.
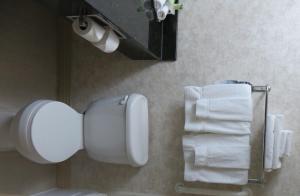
x,y
137,129
56,131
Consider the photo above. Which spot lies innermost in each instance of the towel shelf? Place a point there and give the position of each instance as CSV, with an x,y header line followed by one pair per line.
x,y
180,188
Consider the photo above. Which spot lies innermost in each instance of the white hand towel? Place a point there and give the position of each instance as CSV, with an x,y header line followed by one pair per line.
x,y
286,143
213,175
278,142
232,108
193,124
269,145
289,142
233,157
276,150
282,142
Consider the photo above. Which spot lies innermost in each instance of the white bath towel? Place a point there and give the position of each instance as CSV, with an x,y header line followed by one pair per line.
x,y
194,124
220,156
210,174
230,108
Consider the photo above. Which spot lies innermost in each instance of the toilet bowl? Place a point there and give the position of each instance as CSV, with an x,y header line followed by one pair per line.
x,y
113,130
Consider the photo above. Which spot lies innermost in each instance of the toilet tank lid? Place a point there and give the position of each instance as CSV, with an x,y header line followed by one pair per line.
x,y
137,129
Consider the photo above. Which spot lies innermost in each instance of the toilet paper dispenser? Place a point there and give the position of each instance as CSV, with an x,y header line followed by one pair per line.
x,y
98,32
98,19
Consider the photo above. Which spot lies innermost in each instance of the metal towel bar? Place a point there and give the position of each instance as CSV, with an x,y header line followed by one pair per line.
x,y
262,89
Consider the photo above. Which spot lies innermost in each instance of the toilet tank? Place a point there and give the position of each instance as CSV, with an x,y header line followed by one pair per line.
x,y
105,130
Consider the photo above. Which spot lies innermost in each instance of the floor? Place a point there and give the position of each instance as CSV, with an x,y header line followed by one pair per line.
x,y
28,72
253,40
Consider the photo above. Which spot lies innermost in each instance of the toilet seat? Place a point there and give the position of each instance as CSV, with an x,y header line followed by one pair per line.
x,y
48,131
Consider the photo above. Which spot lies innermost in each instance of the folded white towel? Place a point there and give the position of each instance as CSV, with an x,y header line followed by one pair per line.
x,y
212,175
234,157
269,145
221,91
276,149
194,124
282,142
220,127
289,142
286,143
214,139
193,172
231,108
278,142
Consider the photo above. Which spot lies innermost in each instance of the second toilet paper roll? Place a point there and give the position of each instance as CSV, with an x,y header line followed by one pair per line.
x,y
109,43
158,4
92,32
162,13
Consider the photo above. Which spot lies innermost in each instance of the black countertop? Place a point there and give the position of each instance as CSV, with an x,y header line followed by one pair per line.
x,y
145,38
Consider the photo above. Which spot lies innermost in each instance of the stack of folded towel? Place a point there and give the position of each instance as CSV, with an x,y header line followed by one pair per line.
x,y
278,142
219,119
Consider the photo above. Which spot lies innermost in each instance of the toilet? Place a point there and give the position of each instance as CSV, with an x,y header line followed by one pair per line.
x,y
113,130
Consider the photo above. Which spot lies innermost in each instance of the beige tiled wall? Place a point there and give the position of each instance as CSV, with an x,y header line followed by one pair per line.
x,y
252,40
27,72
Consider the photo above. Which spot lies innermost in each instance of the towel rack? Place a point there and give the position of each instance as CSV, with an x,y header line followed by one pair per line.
x,y
262,89
260,180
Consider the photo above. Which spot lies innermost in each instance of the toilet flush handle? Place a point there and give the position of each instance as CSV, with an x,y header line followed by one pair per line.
x,y
124,100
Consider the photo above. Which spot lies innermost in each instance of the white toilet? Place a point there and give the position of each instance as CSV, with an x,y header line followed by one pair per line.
x,y
113,130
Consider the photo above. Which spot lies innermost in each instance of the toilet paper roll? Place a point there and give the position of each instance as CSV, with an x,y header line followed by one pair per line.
x,y
93,31
162,13
109,43
158,4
